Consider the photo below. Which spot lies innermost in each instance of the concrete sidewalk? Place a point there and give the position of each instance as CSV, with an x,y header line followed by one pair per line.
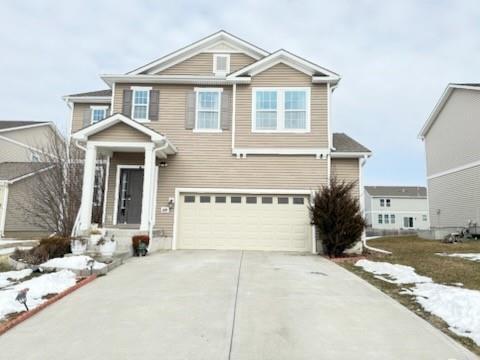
x,y
228,305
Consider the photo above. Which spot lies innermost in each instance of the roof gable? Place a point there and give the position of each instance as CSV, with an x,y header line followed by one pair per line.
x,y
220,41
317,72
441,103
113,120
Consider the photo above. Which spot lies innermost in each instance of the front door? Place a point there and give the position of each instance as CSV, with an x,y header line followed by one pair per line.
x,y
130,196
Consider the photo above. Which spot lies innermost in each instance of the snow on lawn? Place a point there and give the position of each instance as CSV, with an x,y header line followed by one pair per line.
x,y
72,262
13,275
11,250
467,256
52,283
458,307
397,274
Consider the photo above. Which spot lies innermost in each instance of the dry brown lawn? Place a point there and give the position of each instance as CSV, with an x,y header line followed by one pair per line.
x,y
421,255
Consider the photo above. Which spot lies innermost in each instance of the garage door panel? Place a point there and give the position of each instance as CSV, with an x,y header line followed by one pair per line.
x,y
249,226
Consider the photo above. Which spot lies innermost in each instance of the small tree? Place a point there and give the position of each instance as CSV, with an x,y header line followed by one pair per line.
x,y
337,217
55,192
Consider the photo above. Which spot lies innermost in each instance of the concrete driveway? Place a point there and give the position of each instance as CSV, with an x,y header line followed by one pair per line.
x,y
216,305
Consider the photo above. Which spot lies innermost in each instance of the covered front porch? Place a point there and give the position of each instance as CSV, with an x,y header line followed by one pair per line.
x,y
129,154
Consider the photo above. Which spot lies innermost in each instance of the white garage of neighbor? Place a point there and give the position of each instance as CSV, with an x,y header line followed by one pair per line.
x,y
243,221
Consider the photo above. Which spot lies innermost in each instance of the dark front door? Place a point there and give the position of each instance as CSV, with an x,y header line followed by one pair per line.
x,y
130,196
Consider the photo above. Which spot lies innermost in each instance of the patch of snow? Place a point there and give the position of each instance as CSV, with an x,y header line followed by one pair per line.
x,y
466,256
396,274
459,308
8,242
52,283
11,250
72,262
14,275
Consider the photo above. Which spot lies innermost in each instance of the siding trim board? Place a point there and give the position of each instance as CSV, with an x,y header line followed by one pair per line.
x,y
454,170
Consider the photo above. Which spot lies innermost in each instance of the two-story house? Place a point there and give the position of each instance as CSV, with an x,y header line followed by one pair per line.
x,y
452,148
396,207
21,147
218,145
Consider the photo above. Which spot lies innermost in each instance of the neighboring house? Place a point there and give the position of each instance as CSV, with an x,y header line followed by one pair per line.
x,y
396,207
16,182
22,144
451,137
218,145
23,141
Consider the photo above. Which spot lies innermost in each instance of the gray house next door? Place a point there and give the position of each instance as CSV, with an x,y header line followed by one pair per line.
x,y
130,196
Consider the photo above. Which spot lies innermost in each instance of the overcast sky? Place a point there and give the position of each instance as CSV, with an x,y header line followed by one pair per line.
x,y
395,57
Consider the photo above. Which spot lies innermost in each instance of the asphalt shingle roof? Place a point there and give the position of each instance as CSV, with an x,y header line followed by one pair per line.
x,y
405,191
6,124
344,143
107,92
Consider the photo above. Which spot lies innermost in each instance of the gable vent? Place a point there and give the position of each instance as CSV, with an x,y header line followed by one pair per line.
x,y
221,64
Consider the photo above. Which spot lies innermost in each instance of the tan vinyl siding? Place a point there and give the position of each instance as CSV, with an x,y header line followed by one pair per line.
x,y
347,170
120,132
19,199
282,75
208,164
38,137
453,139
457,198
78,111
202,64
13,152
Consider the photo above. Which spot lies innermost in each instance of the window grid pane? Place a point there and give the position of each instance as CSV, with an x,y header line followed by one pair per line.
x,y
140,97
98,114
266,120
295,120
140,112
208,100
295,100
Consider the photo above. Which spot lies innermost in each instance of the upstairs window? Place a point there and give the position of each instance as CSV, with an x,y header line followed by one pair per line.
x,y
98,113
208,109
387,202
382,202
221,64
140,101
281,110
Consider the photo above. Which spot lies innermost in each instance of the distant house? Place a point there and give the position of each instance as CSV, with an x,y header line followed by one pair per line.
x,y
21,144
452,145
396,207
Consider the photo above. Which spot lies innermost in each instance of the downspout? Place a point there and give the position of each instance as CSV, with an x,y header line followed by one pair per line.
x,y
361,163
234,107
4,208
151,199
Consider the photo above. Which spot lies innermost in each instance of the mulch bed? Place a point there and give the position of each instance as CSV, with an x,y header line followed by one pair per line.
x,y
15,319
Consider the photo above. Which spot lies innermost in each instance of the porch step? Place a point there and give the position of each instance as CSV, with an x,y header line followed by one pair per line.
x,y
124,238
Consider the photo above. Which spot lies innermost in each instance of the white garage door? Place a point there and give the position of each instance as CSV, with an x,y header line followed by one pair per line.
x,y
239,221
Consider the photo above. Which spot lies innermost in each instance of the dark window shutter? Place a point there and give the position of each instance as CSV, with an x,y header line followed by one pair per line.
x,y
190,110
87,117
154,105
226,110
127,102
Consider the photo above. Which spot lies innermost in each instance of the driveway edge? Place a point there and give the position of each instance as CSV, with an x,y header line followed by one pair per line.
x,y
26,315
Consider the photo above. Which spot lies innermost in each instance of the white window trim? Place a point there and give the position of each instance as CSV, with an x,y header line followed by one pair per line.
x,y
141,88
280,110
221,73
98,107
200,90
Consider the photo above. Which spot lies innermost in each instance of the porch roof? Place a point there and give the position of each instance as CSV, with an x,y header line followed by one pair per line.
x,y
155,137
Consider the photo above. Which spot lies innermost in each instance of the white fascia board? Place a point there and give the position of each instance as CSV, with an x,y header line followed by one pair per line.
x,y
28,127
439,106
346,155
281,151
171,79
196,47
287,58
83,134
88,99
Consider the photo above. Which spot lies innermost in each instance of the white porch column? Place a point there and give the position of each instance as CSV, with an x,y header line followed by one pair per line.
x,y
147,186
87,189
